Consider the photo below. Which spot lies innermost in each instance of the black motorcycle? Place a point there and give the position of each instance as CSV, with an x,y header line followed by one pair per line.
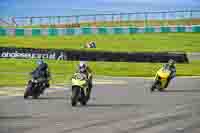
x,y
36,86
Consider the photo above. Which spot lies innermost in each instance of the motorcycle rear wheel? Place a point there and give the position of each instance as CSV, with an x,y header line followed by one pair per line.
x,y
84,99
27,91
35,96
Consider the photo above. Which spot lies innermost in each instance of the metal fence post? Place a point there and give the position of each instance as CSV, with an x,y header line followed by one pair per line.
x,y
59,19
120,19
77,19
31,21
95,20
164,19
40,21
191,13
129,19
112,18
146,19
49,21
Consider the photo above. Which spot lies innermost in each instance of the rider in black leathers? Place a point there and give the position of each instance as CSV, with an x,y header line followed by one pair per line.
x,y
172,68
42,72
85,69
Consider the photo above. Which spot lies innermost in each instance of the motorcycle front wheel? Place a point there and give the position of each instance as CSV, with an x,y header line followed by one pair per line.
x,y
156,85
75,95
28,90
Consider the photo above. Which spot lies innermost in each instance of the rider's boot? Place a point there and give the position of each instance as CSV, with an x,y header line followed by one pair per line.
x,y
89,89
168,80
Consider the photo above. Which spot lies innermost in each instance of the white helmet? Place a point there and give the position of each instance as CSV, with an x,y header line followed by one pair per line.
x,y
82,66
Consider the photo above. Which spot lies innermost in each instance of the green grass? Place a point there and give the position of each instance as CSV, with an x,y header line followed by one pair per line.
x,y
14,72
62,70
149,42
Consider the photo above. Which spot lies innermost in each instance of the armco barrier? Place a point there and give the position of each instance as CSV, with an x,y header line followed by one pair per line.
x,y
94,30
6,52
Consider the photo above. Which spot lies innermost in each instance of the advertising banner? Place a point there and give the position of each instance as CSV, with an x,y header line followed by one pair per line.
x,y
77,55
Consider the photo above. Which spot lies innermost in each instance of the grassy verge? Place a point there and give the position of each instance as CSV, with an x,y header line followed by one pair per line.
x,y
14,72
154,42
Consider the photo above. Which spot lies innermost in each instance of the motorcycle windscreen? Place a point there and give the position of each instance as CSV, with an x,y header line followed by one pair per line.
x,y
80,83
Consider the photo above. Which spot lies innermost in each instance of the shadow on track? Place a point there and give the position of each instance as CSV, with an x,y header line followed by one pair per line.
x,y
14,117
56,98
183,91
51,98
113,105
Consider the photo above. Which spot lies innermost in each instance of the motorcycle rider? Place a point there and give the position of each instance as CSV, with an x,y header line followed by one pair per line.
x,y
43,71
171,66
91,44
85,69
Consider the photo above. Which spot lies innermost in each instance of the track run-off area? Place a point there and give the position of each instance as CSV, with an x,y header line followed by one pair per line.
x,y
117,105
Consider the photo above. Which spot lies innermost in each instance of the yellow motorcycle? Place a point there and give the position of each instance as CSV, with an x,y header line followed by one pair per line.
x,y
80,89
161,79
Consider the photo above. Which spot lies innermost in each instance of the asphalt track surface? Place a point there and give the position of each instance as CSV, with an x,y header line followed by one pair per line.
x,y
120,107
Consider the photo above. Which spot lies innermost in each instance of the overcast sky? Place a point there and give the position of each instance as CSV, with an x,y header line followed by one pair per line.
x,y
70,7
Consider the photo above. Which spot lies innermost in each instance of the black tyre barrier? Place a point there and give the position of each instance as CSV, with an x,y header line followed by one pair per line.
x,y
74,55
